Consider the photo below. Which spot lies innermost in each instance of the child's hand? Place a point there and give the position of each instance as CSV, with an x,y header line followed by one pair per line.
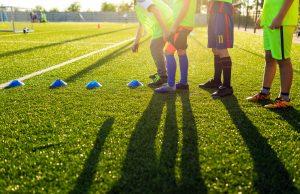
x,y
276,23
173,29
135,48
166,35
257,24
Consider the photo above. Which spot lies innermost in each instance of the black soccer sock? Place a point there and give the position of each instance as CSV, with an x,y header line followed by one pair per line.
x,y
226,64
265,90
285,96
218,69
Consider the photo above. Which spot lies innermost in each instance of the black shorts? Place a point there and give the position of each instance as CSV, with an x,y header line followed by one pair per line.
x,y
178,41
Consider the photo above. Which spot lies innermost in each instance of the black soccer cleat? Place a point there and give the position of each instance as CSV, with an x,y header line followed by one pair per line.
x,y
153,76
223,91
211,84
180,86
158,81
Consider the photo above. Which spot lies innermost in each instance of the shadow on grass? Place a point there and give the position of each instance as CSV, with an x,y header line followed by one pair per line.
x,y
190,165
48,146
10,53
166,182
271,175
249,51
101,62
86,177
143,171
139,172
292,116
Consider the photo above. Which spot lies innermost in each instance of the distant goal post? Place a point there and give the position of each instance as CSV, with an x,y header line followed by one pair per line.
x,y
16,19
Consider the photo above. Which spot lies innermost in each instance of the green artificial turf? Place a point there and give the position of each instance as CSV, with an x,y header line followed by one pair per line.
x,y
120,140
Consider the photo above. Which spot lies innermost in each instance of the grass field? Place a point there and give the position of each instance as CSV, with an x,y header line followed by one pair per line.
x,y
118,140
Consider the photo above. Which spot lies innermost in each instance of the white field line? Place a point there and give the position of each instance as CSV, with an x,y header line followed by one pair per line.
x,y
34,33
53,42
34,74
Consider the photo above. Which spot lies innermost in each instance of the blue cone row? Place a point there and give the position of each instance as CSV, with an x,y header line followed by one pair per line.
x,y
134,84
58,84
14,84
93,85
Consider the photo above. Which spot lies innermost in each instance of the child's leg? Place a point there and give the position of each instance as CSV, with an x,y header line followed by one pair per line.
x,y
221,40
184,66
280,42
217,67
286,76
180,43
171,70
212,43
285,65
226,63
156,47
171,64
269,74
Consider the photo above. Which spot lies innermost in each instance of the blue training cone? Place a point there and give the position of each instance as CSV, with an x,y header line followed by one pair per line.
x,y
58,84
93,85
14,84
134,84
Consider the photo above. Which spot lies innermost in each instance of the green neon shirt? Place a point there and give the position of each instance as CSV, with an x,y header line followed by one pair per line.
x,y
189,20
149,21
271,9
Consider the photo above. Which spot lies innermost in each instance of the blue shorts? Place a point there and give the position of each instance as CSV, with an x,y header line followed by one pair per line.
x,y
220,25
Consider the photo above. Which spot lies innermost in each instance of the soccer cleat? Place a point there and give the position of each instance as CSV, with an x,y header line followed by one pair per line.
x,y
279,103
153,76
180,86
222,92
259,97
211,84
158,81
165,89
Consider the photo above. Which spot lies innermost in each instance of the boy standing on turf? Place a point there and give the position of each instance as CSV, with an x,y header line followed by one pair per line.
x,y
279,20
220,39
184,18
156,17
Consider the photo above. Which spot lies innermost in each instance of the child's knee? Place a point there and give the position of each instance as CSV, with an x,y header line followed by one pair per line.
x,y
284,62
270,61
170,50
215,51
181,52
223,53
169,53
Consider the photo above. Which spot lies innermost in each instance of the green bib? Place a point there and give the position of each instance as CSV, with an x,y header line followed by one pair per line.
x,y
189,20
272,8
149,21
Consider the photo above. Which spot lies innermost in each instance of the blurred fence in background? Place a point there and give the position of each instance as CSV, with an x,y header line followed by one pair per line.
x,y
84,17
95,17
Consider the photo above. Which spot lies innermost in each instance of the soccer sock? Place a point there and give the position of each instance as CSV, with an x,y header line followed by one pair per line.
x,y
218,69
184,66
265,90
226,64
171,68
285,96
